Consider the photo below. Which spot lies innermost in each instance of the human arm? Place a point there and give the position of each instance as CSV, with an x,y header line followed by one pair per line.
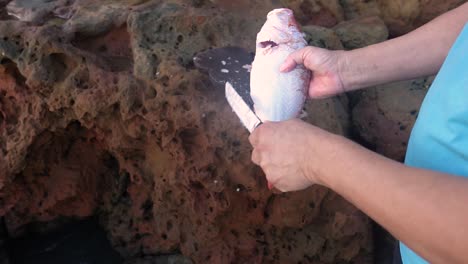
x,y
418,53
424,209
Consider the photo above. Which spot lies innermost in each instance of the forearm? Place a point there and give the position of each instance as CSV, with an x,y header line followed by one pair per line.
x,y
416,54
426,210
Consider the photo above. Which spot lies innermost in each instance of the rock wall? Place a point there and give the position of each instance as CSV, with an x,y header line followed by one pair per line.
x,y
103,113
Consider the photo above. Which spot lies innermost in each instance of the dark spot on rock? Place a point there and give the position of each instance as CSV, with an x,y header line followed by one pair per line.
x,y
234,233
147,208
180,38
189,138
165,80
169,225
186,106
60,65
196,186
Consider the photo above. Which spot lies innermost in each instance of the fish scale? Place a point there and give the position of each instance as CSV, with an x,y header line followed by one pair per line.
x,y
278,96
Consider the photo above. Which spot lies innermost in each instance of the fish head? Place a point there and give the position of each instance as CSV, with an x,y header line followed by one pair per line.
x,y
279,29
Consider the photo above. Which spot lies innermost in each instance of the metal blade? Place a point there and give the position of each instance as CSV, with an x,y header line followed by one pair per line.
x,y
242,110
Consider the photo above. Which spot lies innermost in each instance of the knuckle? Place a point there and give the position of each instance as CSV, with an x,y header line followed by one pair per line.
x,y
261,135
260,131
253,138
267,126
256,157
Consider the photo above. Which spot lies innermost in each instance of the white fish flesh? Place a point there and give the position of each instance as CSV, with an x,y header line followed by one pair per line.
x,y
278,96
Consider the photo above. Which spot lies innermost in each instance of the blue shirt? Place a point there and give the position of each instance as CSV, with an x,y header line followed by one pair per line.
x,y
439,139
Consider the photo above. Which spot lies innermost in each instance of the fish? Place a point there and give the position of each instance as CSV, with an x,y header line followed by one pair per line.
x,y
278,96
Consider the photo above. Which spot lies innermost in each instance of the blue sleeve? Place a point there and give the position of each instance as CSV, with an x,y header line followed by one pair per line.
x,y
439,139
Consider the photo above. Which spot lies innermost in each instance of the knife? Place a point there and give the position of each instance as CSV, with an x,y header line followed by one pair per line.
x,y
248,118
227,66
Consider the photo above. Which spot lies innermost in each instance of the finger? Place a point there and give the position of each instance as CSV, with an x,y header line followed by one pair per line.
x,y
295,58
288,65
256,135
254,138
256,156
316,92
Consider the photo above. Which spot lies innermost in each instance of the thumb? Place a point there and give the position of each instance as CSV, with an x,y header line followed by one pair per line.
x,y
295,58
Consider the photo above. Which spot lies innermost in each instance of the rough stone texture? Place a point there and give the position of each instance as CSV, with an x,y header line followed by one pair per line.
x,y
103,113
324,13
361,32
402,16
322,37
360,8
69,176
384,116
330,114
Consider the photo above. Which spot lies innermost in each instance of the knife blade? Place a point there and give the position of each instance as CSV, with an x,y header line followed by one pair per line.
x,y
248,118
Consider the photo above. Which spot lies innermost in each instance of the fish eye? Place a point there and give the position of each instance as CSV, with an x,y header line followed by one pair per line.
x,y
268,43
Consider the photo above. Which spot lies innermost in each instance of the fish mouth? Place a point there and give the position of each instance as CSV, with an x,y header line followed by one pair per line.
x,y
267,44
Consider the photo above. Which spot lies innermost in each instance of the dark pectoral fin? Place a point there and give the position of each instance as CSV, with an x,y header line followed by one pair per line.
x,y
228,64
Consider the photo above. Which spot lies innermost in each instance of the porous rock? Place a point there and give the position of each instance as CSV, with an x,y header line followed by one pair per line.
x,y
354,9
322,37
115,121
402,16
361,32
316,12
384,116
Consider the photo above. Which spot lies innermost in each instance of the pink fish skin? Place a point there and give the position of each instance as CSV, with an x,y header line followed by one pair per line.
x,y
278,96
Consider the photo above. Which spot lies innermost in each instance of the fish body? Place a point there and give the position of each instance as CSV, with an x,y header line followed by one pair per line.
x,y
278,96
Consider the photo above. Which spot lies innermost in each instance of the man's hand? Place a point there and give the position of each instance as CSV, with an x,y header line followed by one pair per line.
x,y
283,150
325,66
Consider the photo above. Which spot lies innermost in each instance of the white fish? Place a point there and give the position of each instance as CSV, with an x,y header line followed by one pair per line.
x,y
278,96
